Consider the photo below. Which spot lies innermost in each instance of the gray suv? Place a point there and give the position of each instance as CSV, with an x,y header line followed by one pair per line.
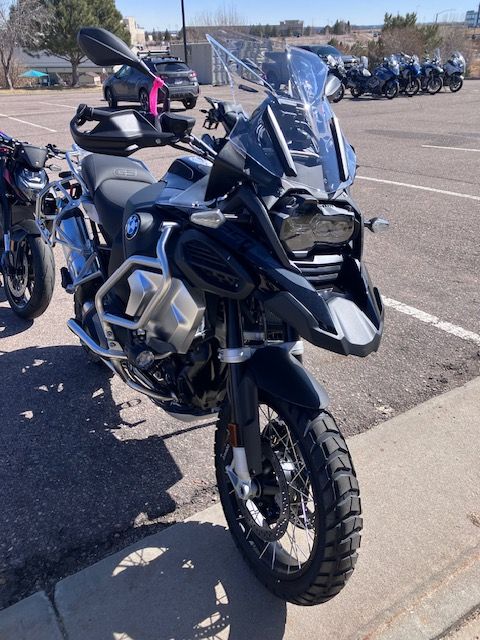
x,y
129,85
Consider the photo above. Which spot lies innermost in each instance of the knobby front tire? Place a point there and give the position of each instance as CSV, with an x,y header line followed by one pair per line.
x,y
302,542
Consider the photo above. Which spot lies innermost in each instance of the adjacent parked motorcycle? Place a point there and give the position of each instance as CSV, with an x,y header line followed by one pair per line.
x,y
409,78
431,75
384,80
337,68
196,290
454,70
27,263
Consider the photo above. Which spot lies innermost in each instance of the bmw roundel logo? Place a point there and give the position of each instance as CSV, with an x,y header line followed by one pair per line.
x,y
132,226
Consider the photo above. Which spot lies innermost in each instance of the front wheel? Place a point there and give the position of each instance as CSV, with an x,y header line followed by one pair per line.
x,y
434,84
338,95
29,277
391,89
301,532
412,87
110,98
144,100
456,83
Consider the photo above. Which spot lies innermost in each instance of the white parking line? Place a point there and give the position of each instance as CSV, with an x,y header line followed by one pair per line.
x,y
434,146
453,329
416,186
56,104
39,126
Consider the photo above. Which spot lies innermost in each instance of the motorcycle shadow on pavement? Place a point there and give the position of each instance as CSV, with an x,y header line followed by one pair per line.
x,y
80,474
10,324
187,582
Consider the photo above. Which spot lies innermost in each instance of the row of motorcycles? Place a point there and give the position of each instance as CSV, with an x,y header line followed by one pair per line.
x,y
399,73
198,289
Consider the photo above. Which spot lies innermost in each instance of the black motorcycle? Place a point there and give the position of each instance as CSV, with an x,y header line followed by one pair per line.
x,y
197,290
27,262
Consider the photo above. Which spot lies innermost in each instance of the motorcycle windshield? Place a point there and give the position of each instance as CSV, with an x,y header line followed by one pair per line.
x,y
458,59
291,132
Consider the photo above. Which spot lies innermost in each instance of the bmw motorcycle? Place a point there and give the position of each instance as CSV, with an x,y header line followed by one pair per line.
x,y
409,78
454,70
431,75
198,289
26,262
383,82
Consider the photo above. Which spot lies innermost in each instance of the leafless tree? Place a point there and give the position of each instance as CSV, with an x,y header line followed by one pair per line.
x,y
19,25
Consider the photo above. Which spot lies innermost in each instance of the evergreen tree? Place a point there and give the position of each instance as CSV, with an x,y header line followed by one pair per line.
x,y
166,36
59,35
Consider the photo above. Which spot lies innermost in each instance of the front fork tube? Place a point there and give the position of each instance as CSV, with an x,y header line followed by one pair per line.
x,y
244,427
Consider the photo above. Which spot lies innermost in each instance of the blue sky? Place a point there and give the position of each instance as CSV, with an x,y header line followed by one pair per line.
x,y
166,13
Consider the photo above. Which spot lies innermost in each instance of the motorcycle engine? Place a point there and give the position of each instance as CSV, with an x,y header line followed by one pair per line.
x,y
179,315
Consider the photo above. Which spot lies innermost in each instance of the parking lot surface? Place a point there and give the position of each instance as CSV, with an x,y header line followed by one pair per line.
x,y
88,466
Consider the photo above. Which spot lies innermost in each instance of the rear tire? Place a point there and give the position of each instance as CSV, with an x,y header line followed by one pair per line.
x,y
434,85
190,103
309,440
30,290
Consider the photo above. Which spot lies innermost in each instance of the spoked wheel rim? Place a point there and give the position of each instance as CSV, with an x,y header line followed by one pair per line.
x,y
455,84
280,524
434,85
391,90
20,281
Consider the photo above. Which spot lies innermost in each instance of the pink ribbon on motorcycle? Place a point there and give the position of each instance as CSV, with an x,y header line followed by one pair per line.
x,y
158,83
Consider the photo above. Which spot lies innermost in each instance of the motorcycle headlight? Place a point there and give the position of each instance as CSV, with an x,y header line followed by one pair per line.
x,y
324,225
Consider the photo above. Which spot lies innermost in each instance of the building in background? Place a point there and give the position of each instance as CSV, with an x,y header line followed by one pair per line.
x,y
137,34
472,19
290,28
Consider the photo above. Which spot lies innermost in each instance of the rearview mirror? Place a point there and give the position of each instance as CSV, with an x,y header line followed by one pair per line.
x,y
106,50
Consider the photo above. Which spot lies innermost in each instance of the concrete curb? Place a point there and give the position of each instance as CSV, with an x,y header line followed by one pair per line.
x,y
30,619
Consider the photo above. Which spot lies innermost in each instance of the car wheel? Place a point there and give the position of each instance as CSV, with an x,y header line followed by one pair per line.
x,y
190,103
109,97
144,100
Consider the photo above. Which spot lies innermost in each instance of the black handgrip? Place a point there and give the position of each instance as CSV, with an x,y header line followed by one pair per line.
x,y
86,113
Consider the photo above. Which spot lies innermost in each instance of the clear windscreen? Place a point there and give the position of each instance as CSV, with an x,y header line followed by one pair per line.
x,y
291,131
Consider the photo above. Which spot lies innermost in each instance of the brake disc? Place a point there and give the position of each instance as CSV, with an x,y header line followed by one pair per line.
x,y
269,515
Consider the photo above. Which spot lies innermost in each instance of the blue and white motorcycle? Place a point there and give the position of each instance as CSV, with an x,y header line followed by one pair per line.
x,y
383,81
454,70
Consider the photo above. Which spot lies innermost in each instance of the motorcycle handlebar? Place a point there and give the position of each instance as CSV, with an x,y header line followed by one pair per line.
x,y
87,114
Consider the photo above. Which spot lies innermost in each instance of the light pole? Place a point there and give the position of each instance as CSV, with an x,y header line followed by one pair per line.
x,y
184,31
439,13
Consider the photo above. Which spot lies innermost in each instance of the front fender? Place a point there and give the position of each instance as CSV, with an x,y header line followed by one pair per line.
x,y
278,373
24,228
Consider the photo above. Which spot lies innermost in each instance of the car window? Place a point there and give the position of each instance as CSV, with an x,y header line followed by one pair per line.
x,y
170,67
123,72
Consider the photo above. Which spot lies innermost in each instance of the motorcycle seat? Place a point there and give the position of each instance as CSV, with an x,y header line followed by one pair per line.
x,y
111,181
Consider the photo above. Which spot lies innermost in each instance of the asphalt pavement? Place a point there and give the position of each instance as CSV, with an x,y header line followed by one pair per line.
x,y
88,466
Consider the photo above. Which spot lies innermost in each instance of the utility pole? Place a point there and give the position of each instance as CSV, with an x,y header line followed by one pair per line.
x,y
184,31
440,12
